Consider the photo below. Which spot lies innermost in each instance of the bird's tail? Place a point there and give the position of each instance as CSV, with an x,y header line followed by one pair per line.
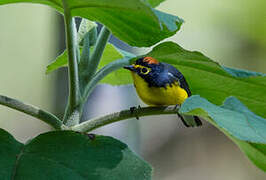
x,y
190,121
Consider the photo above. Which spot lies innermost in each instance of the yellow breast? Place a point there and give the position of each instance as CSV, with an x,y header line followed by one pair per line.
x,y
171,95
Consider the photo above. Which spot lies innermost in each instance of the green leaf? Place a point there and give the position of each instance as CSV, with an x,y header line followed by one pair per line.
x,y
242,72
110,54
242,126
232,116
153,3
119,76
9,149
69,155
255,152
60,61
132,21
208,79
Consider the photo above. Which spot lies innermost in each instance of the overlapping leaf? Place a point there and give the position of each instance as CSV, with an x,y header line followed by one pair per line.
x,y
132,21
215,83
241,125
232,116
154,3
69,155
255,152
210,80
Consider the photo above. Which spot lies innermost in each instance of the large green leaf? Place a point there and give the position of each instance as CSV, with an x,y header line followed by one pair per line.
x,y
242,126
255,152
132,21
210,80
69,155
9,150
154,3
232,116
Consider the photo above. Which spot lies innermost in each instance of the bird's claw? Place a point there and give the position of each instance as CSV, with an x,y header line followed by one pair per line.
x,y
133,111
177,106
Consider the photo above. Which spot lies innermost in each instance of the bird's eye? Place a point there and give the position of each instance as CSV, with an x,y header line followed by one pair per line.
x,y
144,70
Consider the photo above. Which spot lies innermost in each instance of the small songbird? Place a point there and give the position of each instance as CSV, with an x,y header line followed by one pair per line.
x,y
159,83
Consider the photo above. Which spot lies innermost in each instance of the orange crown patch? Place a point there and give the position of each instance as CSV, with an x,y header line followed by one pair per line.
x,y
150,60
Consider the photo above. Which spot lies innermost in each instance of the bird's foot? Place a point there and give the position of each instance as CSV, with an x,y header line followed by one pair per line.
x,y
177,106
134,110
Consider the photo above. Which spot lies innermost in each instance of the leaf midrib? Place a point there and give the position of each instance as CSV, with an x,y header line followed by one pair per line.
x,y
254,129
225,76
216,64
101,6
17,161
37,156
242,96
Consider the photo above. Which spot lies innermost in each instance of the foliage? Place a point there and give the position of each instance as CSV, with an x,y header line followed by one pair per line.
x,y
241,125
84,157
110,54
130,20
91,59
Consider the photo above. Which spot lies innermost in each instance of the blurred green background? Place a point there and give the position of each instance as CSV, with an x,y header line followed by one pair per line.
x,y
230,32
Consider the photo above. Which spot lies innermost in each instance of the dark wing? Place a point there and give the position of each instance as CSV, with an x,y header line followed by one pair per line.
x,y
176,75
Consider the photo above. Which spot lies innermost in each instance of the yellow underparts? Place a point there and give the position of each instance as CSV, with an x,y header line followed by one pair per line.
x,y
171,95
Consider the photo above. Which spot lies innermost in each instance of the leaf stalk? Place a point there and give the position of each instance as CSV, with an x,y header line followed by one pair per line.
x,y
107,69
32,111
97,52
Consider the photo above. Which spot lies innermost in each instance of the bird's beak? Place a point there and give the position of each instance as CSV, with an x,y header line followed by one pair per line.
x,y
130,67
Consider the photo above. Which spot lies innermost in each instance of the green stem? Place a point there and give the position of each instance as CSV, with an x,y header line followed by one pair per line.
x,y
123,115
102,73
84,63
31,110
71,43
88,37
97,52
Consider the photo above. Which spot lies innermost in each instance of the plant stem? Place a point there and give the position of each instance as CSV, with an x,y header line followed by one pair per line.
x,y
71,43
123,115
84,63
102,73
97,52
31,110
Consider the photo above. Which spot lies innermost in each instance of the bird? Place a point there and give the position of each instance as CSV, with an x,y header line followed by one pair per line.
x,y
158,83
